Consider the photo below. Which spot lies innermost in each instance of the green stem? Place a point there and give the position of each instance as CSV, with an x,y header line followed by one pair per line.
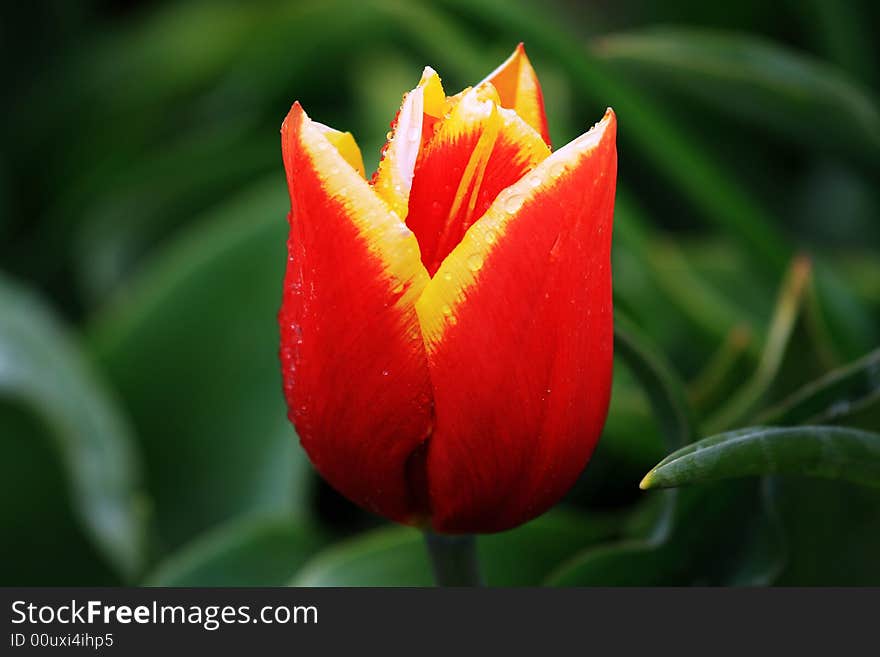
x,y
454,559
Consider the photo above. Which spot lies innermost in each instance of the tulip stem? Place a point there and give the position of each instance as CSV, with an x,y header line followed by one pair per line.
x,y
454,559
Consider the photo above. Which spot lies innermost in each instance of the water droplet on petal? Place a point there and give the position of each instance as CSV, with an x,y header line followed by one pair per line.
x,y
489,236
385,372
534,181
513,203
447,276
557,169
446,310
389,135
475,262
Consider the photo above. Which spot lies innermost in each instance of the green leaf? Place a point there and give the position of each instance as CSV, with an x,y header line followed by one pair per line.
x,y
724,371
525,555
655,278
45,376
842,32
747,76
390,556
664,390
635,563
832,398
817,451
249,552
712,535
192,347
396,556
850,324
782,326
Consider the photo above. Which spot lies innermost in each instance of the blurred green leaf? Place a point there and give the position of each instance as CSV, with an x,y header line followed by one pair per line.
x,y
660,383
201,321
654,277
843,32
150,198
764,550
525,555
718,534
747,76
42,369
630,430
833,397
38,509
635,563
727,268
817,451
249,552
782,326
833,531
396,556
852,327
724,371
156,143
390,556
704,305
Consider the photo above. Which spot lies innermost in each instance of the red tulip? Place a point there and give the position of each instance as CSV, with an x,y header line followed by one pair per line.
x,y
446,327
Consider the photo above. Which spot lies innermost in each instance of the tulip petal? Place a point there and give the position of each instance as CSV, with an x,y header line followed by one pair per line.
x,y
421,107
519,89
475,153
518,327
345,143
353,360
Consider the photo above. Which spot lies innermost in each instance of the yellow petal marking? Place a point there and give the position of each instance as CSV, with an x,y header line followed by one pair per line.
x,y
345,143
472,108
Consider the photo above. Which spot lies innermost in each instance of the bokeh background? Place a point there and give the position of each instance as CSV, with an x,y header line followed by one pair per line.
x,y
143,436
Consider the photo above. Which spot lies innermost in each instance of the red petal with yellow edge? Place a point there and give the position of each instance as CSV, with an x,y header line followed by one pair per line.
x,y
519,90
476,152
353,360
518,326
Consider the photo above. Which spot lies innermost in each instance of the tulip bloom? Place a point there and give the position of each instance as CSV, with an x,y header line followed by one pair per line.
x,y
446,327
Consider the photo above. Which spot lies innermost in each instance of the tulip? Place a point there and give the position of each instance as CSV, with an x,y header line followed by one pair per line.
x,y
446,327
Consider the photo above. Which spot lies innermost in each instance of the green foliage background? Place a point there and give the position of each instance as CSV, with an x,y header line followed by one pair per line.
x,y
142,228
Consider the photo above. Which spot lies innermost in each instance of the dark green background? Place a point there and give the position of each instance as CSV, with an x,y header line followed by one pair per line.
x,y
143,435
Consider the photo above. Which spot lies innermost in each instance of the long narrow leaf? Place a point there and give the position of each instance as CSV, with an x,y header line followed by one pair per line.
x,y
781,328
817,451
41,367
660,383
746,76
831,398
